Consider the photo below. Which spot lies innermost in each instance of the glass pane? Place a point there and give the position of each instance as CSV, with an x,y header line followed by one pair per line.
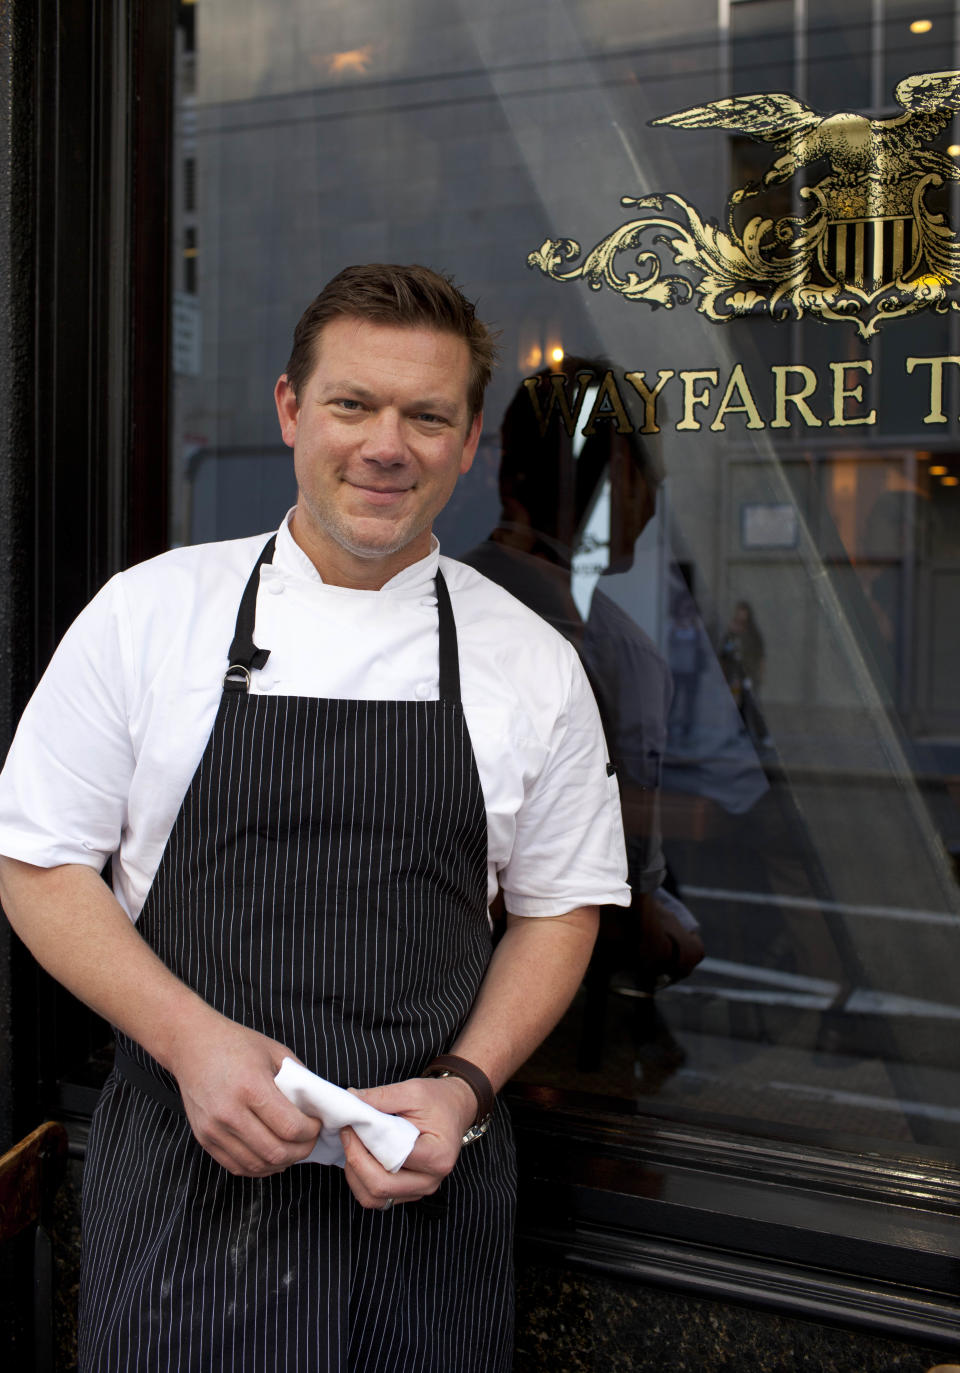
x,y
915,39
762,33
839,49
760,565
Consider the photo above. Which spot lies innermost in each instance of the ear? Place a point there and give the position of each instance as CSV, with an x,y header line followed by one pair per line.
x,y
470,447
288,411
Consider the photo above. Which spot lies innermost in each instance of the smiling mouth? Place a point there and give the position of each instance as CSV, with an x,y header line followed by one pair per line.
x,y
380,495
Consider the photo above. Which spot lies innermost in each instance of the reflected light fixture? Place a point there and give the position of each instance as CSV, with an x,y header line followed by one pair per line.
x,y
938,471
556,355
355,60
921,26
949,481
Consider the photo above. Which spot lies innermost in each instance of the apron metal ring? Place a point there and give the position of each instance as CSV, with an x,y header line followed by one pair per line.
x,y
236,678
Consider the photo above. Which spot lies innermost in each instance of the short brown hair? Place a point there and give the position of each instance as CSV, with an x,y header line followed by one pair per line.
x,y
389,294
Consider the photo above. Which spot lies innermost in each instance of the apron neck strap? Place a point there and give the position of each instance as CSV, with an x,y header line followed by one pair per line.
x,y
449,656
245,657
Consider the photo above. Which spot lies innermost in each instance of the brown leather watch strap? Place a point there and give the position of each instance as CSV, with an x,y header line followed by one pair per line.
x,y
450,1065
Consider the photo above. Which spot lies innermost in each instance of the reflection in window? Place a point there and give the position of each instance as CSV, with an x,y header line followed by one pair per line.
x,y
839,54
768,615
762,46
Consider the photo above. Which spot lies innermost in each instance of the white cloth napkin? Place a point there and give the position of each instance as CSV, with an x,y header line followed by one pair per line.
x,y
389,1138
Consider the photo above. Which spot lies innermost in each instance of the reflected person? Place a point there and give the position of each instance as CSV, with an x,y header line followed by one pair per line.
x,y
743,658
554,476
686,657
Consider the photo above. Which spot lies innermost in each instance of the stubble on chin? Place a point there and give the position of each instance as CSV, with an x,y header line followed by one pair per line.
x,y
365,536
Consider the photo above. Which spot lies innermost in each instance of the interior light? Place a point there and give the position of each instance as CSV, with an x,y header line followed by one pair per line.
x,y
954,150
556,355
938,471
354,60
921,26
949,481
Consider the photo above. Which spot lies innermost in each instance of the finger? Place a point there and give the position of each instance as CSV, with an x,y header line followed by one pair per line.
x,y
286,1123
233,1155
279,1115
374,1095
238,1158
245,1144
433,1158
361,1179
242,1164
395,1098
383,1195
273,1151
372,1185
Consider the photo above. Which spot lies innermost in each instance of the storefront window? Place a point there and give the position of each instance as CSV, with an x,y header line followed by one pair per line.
x,y
756,496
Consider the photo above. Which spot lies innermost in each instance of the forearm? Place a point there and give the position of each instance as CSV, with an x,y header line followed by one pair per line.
x,y
533,975
77,931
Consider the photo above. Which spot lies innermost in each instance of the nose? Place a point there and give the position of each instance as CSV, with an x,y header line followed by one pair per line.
x,y
383,438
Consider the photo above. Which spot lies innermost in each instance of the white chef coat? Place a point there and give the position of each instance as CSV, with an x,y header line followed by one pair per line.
x,y
110,741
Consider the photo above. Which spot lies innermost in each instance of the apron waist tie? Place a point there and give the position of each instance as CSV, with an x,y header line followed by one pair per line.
x,y
138,1076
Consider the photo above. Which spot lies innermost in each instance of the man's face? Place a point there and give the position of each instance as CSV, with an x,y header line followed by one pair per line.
x,y
380,435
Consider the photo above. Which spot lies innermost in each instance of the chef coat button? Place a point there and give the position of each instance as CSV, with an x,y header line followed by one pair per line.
x,y
275,587
424,689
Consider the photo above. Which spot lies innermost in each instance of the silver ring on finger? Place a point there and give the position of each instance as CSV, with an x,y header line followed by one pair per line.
x,y
387,1204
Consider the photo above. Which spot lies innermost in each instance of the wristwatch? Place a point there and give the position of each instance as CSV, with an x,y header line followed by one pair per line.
x,y
450,1065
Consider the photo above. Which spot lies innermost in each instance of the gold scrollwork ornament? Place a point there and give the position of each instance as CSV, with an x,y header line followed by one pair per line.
x,y
869,251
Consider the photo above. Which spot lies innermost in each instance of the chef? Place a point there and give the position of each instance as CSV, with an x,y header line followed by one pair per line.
x,y
314,758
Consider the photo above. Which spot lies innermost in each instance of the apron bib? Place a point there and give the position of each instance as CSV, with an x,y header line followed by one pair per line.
x,y
325,883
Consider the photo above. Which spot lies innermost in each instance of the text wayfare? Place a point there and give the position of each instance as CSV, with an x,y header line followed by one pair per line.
x,y
700,398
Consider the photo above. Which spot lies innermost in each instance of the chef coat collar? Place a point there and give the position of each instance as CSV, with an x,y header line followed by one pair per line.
x,y
290,560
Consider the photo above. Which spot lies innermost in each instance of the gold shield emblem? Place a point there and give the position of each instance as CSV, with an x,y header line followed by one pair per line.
x,y
869,250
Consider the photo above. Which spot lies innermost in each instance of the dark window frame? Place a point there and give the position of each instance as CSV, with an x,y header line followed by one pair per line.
x,y
86,447
824,1230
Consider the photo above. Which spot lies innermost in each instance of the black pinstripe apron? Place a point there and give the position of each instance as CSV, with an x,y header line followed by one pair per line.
x,y
324,883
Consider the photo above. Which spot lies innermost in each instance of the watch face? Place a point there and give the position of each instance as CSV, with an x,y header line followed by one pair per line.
x,y
476,1131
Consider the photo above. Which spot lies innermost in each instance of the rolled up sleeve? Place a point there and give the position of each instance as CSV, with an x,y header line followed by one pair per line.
x,y
569,847
65,783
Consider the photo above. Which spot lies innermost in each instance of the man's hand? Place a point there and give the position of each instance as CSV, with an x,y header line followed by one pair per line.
x,y
236,1111
670,947
531,978
442,1109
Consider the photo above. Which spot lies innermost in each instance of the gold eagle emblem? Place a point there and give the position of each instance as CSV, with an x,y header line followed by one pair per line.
x,y
870,249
